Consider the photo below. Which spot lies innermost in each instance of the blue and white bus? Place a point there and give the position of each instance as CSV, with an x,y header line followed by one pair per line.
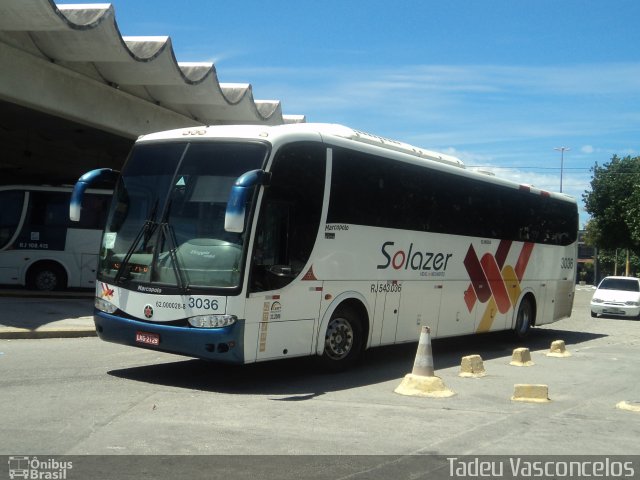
x,y
247,243
39,247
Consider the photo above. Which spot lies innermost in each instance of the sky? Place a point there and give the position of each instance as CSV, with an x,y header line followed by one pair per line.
x,y
498,83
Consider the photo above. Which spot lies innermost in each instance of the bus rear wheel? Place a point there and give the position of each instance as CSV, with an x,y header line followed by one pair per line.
x,y
343,341
524,318
46,277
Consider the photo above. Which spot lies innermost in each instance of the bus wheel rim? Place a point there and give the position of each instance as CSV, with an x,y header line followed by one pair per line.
x,y
339,339
46,280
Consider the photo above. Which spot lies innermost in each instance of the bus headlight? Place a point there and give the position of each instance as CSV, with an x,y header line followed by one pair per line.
x,y
212,321
104,306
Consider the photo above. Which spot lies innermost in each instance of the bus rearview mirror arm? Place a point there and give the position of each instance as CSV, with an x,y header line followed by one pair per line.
x,y
84,182
236,206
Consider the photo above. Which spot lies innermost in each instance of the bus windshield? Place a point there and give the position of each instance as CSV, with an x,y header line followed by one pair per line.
x,y
166,223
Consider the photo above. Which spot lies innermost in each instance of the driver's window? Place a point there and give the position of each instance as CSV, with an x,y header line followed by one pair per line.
x,y
289,216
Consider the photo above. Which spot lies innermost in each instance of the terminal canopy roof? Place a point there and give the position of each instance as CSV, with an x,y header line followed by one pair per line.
x,y
75,93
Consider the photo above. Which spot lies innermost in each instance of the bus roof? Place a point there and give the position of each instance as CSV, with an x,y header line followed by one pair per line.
x,y
338,133
324,130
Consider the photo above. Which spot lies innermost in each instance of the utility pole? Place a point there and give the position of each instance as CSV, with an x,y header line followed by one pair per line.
x,y
561,150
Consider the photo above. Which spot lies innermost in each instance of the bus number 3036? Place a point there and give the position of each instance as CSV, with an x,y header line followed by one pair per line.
x,y
566,262
205,303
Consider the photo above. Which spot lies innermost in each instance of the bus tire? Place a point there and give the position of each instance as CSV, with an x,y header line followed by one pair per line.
x,y
524,318
343,341
46,277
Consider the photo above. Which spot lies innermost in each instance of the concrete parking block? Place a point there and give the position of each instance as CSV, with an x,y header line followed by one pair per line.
x,y
521,358
530,393
472,366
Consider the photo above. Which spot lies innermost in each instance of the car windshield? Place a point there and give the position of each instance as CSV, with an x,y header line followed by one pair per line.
x,y
629,285
166,223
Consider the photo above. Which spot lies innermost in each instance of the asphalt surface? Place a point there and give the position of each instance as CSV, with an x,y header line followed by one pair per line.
x,y
81,396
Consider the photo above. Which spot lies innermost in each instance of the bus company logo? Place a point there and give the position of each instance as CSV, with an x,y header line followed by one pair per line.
x,y
106,291
275,313
148,311
416,260
32,468
492,282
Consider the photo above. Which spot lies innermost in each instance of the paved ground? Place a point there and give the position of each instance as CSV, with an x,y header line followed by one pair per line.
x,y
25,314
82,396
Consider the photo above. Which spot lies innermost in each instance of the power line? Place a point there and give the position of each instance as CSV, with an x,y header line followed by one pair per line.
x,y
528,168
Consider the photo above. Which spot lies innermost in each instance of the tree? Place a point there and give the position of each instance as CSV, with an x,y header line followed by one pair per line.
x,y
614,204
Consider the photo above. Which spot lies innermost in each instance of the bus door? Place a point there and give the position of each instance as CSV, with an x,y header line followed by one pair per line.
x,y
420,307
283,298
13,203
546,299
286,309
385,317
455,317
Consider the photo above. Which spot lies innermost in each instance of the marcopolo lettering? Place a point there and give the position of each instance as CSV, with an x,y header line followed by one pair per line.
x,y
413,259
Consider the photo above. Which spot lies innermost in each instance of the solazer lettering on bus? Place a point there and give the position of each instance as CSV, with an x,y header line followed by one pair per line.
x,y
415,260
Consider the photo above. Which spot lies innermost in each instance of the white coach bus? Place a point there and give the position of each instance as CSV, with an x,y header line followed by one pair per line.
x,y
248,243
39,247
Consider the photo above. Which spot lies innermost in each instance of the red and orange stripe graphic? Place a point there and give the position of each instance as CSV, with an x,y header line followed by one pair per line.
x,y
493,282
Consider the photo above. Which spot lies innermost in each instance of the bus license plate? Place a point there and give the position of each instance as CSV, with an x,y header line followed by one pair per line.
x,y
148,338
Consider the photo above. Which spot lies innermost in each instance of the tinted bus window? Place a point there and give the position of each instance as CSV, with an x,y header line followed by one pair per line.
x,y
380,192
10,213
45,227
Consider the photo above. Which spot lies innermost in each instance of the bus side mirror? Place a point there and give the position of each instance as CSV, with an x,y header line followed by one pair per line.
x,y
236,206
84,182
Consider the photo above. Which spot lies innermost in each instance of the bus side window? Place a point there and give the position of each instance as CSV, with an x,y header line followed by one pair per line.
x,y
289,216
10,212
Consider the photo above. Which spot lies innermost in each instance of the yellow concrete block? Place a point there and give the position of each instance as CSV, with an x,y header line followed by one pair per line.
x,y
521,358
558,349
530,393
472,366
419,386
631,406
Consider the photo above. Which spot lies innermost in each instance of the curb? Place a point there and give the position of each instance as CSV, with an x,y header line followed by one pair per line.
x,y
15,293
12,333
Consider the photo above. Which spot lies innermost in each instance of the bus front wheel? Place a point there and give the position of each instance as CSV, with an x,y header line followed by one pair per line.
x,y
524,318
343,341
46,276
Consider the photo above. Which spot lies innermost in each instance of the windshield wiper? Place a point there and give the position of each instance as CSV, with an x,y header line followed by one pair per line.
x,y
146,231
167,232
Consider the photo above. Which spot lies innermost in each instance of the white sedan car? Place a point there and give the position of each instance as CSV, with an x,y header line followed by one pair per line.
x,y
619,296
